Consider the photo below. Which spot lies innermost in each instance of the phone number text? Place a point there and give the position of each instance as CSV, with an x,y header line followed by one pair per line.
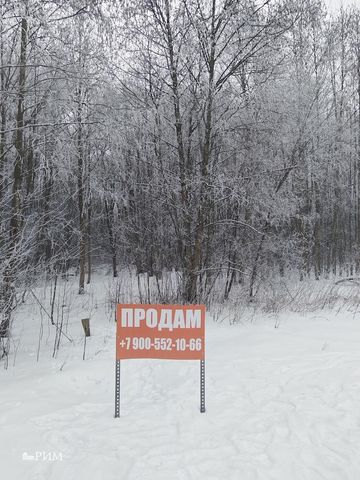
x,y
180,344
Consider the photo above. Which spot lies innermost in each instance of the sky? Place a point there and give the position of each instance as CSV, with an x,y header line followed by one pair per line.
x,y
334,5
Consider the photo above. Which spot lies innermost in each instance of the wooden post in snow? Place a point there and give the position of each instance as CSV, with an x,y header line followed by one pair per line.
x,y
86,326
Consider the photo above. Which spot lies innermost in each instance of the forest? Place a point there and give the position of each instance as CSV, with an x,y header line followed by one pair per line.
x,y
215,139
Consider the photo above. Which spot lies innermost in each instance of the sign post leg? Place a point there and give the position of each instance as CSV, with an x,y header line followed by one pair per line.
x,y
117,390
202,386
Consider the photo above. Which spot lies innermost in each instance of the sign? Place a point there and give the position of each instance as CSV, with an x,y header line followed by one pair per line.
x,y
173,332
160,331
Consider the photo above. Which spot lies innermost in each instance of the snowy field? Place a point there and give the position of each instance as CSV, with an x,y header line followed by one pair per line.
x,y
281,403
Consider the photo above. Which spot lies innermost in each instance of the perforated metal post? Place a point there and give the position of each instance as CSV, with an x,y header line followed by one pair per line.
x,y
117,390
202,386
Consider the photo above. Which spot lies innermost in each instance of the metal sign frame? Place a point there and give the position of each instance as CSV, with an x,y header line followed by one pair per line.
x,y
202,356
117,389
202,386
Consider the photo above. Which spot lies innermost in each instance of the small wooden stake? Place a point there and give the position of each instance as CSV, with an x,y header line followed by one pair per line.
x,y
86,326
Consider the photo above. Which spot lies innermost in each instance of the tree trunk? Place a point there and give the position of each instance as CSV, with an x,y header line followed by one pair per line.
x,y
81,191
89,211
9,278
109,223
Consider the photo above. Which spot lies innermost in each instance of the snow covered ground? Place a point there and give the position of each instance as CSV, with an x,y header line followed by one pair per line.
x,y
281,403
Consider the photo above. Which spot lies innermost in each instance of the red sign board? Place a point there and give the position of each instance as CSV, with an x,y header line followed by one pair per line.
x,y
160,331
